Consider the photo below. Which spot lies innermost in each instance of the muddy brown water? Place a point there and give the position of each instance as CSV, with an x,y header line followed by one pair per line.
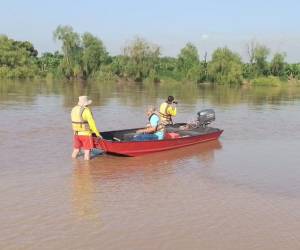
x,y
241,192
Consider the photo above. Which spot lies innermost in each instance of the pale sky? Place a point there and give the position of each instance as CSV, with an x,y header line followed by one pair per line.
x,y
168,23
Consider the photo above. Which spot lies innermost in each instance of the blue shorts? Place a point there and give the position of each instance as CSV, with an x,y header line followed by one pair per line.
x,y
145,137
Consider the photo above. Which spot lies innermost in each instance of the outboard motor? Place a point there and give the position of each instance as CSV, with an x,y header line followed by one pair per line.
x,y
205,117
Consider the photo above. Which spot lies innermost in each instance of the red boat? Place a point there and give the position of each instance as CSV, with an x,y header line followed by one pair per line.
x,y
178,135
120,142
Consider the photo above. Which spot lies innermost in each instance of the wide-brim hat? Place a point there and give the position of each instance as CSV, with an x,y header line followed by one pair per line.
x,y
84,101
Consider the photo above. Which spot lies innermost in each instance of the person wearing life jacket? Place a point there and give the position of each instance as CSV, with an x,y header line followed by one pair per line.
x,y
168,110
84,126
154,130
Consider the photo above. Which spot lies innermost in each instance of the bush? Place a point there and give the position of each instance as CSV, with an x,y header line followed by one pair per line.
x,y
267,81
105,74
225,67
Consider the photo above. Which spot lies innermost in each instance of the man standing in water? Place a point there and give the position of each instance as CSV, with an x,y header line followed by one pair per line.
x,y
167,110
84,126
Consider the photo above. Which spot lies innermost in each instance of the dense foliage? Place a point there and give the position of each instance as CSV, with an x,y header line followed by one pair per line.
x,y
225,67
17,59
85,57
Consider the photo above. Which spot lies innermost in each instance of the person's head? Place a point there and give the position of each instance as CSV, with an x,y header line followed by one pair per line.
x,y
150,110
171,99
84,101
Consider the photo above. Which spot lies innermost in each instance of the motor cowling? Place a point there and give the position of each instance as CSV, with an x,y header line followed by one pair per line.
x,y
206,116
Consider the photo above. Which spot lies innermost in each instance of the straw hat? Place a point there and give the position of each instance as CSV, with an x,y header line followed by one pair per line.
x,y
83,101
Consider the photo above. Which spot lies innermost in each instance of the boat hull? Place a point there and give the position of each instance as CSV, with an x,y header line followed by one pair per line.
x,y
136,148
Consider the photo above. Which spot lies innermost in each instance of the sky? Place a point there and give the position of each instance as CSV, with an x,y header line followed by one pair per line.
x,y
168,23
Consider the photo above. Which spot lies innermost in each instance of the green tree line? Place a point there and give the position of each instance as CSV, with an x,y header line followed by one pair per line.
x,y
84,56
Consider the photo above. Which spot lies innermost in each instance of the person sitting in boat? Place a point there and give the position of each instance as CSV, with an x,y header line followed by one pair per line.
x,y
168,110
84,126
154,130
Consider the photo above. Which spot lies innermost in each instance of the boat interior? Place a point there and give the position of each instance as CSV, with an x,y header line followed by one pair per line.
x,y
179,128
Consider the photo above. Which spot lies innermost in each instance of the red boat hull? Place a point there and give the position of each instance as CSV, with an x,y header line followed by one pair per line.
x,y
136,148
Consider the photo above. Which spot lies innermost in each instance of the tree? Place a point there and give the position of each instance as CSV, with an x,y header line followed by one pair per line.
x,y
258,58
189,64
167,68
71,64
94,54
32,52
118,65
18,59
293,70
225,67
251,51
141,60
50,62
188,58
278,65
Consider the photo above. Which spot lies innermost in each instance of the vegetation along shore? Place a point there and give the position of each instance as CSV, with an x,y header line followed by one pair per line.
x,y
85,57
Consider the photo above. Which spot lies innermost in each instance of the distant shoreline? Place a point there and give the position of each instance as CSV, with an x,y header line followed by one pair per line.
x,y
84,57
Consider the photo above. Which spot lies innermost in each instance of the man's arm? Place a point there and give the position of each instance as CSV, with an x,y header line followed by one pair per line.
x,y
90,119
152,128
147,130
172,111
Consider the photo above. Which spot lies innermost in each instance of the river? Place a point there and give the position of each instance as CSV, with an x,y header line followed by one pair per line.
x,y
240,192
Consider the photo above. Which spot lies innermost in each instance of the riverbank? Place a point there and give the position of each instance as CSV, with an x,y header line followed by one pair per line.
x,y
88,59
271,81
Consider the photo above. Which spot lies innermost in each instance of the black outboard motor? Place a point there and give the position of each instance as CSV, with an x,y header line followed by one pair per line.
x,y
205,117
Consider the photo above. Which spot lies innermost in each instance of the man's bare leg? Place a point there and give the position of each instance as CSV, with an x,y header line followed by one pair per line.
x,y
87,155
75,153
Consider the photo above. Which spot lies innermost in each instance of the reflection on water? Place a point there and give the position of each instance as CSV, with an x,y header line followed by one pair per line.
x,y
116,167
241,192
83,192
88,175
142,94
